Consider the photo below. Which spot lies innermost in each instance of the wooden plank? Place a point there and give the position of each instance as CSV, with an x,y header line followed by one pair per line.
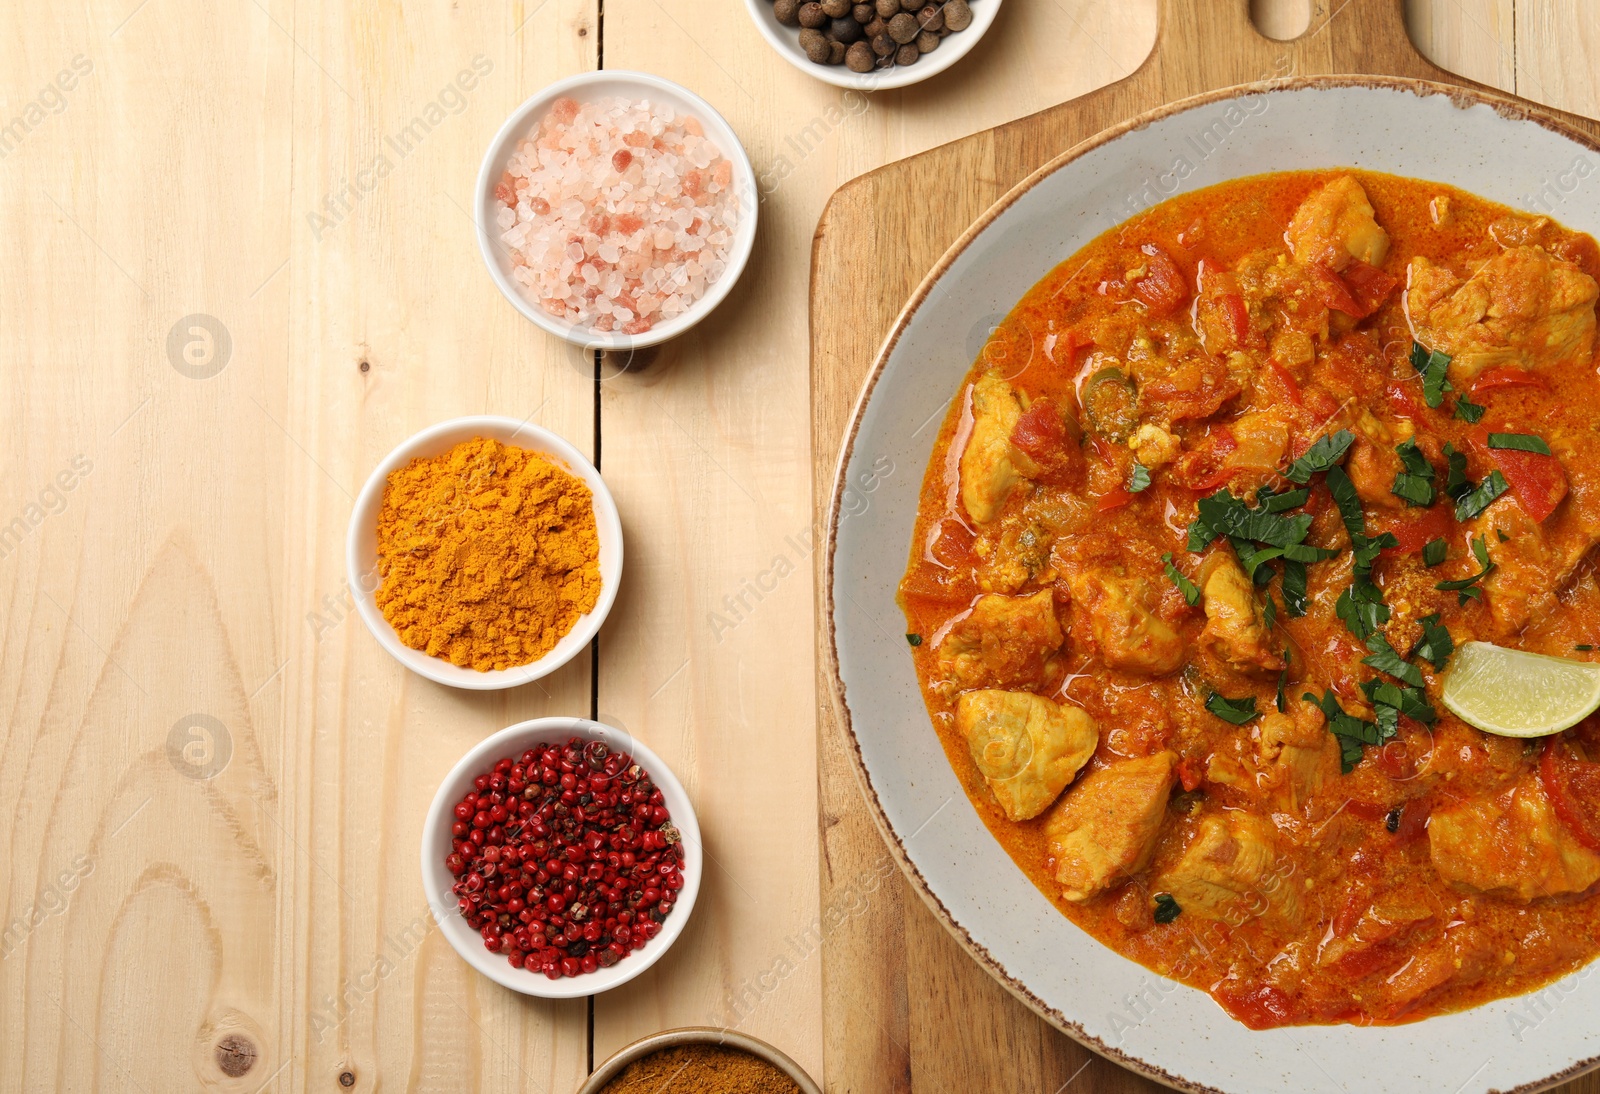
x,y
904,1008
237,163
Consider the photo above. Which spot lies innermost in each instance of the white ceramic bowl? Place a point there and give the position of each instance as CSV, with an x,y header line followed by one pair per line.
x,y
436,846
635,86
1167,1031
786,40
361,548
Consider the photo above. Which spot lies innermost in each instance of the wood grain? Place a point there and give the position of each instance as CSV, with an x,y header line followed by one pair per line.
x,y
904,1008
229,161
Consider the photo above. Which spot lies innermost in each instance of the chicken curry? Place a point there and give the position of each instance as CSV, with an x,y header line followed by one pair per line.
x,y
1203,528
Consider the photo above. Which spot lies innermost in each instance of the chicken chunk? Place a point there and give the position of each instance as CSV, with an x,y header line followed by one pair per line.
x,y
1521,308
1129,635
1004,641
1235,629
1532,562
1511,846
1153,446
1299,752
1226,871
1106,826
1027,747
991,466
1373,463
1337,224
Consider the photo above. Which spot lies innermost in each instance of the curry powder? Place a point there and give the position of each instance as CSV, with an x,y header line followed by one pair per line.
x,y
701,1069
487,554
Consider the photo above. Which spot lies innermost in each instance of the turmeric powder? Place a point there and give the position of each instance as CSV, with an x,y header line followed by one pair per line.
x,y
487,554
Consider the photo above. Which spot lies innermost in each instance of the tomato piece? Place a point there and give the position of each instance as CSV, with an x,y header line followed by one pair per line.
x,y
1115,498
1573,786
1189,773
1292,392
1538,481
1367,811
1238,316
1335,293
1205,467
1415,528
1258,1006
1040,430
1491,379
1163,287
951,543
1402,401
1413,821
1369,285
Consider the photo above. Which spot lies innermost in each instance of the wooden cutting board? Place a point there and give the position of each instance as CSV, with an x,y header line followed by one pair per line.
x,y
905,1009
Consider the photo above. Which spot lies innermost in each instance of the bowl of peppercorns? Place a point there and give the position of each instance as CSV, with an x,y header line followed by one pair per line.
x,y
561,857
873,45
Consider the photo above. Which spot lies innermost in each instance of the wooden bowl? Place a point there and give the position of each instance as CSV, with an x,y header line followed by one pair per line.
x,y
696,1035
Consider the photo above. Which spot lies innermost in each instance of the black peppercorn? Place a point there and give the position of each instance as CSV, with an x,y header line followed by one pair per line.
x,y
859,57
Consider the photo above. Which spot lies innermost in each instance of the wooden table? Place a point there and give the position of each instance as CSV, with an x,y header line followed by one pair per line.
x,y
240,267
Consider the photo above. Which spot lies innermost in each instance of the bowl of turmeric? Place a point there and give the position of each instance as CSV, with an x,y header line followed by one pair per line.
x,y
484,552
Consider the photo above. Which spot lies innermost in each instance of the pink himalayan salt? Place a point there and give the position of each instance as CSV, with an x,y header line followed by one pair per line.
x,y
618,215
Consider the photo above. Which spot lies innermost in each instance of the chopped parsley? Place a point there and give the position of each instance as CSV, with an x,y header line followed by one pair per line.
x,y
1352,733
1432,365
1385,659
1584,647
1480,497
1237,711
1139,479
1278,503
1222,514
1325,453
1415,481
1166,909
1410,701
1361,606
1190,591
1269,612
1468,411
1434,552
1466,588
1294,588
1283,678
914,639
1456,482
1435,646
1519,442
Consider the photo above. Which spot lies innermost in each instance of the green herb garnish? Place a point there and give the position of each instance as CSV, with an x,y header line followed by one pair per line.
x,y
1410,701
1466,588
1434,552
1139,479
1480,497
1435,646
1237,711
1456,482
1468,411
1352,733
914,639
1294,588
1166,908
1384,658
1433,366
1415,481
1519,442
1190,591
1325,453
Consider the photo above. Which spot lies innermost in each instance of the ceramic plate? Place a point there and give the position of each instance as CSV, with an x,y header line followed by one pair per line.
x,y
1178,1035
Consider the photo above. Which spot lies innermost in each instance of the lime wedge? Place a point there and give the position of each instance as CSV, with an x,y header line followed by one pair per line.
x,y
1515,694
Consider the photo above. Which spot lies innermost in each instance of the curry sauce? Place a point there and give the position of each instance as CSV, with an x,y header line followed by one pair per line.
x,y
1203,525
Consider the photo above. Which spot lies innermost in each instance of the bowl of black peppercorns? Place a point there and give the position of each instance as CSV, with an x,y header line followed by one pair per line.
x,y
873,45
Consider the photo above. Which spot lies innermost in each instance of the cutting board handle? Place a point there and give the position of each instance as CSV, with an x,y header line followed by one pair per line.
x,y
1205,44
